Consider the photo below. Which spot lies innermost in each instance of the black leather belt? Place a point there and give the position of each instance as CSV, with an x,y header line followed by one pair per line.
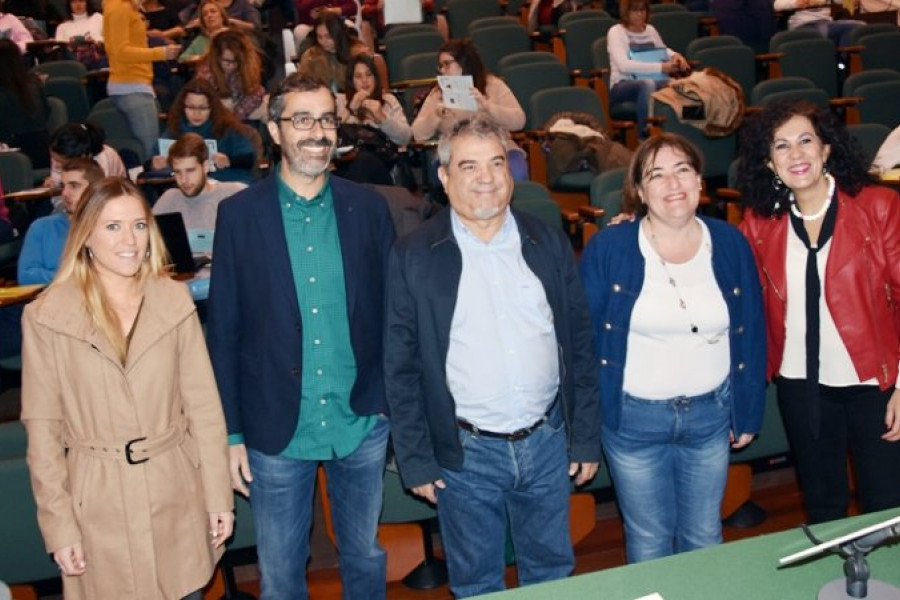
x,y
514,436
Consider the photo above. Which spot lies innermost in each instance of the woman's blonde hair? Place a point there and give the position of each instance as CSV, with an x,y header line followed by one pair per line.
x,y
77,262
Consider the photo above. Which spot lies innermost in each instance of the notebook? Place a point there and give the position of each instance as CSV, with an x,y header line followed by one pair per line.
x,y
175,236
653,55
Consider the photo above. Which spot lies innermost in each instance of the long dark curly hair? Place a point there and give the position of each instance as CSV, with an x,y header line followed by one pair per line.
x,y
223,120
760,190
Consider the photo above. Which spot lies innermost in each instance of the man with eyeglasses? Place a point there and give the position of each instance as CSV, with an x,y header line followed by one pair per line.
x,y
295,326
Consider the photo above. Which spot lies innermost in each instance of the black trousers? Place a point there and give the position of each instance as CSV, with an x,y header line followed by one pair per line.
x,y
852,423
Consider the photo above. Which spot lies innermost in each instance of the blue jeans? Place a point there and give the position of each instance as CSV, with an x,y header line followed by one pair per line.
x,y
638,91
525,482
281,499
669,461
836,31
140,112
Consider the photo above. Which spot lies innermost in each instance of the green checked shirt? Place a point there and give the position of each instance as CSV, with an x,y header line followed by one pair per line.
x,y
327,428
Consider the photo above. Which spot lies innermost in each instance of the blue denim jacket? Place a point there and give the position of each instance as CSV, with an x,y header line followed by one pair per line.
x,y
612,270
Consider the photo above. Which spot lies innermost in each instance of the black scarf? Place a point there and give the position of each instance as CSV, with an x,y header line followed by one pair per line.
x,y
813,294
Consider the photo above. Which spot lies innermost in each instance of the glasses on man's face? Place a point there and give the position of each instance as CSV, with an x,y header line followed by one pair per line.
x,y
305,122
196,108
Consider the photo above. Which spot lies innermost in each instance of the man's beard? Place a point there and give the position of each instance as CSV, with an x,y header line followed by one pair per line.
x,y
298,166
197,190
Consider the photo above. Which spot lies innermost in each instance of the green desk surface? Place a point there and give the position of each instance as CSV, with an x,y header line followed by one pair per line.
x,y
744,570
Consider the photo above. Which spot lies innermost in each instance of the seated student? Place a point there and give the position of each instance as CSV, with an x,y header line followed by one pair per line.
x,y
83,31
196,196
332,49
241,14
74,140
376,118
492,96
633,80
24,110
198,109
233,67
805,16
11,28
162,20
213,19
46,237
309,10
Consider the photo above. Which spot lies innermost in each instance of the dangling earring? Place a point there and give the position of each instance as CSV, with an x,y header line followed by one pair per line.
x,y
777,183
89,252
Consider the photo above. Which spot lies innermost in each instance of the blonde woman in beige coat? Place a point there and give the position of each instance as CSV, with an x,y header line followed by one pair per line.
x,y
126,438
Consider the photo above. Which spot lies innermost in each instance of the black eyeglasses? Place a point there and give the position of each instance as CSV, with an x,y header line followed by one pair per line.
x,y
304,122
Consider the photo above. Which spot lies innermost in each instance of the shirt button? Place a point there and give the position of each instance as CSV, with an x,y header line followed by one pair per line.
x,y
318,371
315,311
309,248
312,279
287,204
323,401
324,423
317,342
308,220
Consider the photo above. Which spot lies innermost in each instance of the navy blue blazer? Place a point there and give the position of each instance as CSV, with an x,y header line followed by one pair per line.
x,y
255,332
423,281
612,269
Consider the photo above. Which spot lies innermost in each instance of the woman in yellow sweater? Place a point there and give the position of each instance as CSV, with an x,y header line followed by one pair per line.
x,y
131,68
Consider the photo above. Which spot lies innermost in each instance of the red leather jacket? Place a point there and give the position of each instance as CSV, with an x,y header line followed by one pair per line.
x,y
862,280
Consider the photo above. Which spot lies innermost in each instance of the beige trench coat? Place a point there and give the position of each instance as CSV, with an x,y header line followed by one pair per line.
x,y
144,527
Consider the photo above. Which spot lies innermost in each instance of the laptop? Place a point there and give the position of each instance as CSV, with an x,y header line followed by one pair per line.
x,y
175,236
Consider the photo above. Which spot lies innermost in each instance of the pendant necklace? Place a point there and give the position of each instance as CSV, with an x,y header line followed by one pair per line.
x,y
681,303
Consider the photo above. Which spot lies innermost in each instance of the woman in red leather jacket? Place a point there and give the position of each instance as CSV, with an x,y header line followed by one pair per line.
x,y
827,244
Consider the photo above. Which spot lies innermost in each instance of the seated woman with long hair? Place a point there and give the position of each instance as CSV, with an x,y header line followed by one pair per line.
x,y
83,31
197,109
233,68
492,95
116,374
631,79
331,51
24,110
213,19
365,104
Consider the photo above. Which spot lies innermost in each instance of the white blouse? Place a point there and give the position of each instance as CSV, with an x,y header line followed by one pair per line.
x,y
665,358
88,26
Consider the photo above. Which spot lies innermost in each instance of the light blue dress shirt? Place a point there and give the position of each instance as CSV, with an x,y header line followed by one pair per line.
x,y
503,359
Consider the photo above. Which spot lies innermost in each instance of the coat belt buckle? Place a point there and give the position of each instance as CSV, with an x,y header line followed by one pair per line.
x,y
128,458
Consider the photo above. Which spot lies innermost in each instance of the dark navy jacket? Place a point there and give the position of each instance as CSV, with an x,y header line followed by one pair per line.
x,y
612,269
255,330
423,281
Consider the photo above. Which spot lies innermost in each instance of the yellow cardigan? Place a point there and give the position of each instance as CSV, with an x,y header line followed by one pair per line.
x,y
125,37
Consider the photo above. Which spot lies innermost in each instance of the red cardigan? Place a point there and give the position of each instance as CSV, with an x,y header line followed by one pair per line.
x,y
862,280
